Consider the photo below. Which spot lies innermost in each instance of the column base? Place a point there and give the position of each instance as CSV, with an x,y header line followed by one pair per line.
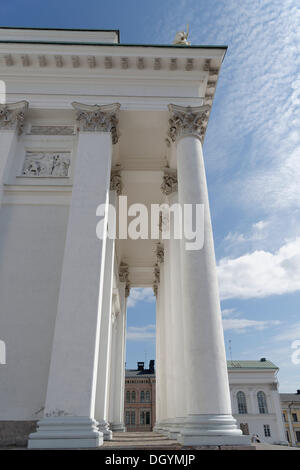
x,y
117,427
175,427
103,427
66,432
211,430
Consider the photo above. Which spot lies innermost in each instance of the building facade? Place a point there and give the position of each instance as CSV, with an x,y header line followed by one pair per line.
x,y
86,120
140,385
254,399
290,404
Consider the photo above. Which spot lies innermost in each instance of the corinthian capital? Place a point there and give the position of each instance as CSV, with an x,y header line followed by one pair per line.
x,y
169,184
12,115
187,120
116,180
98,118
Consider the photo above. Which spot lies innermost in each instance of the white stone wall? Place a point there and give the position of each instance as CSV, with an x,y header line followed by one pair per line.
x,y
31,252
250,383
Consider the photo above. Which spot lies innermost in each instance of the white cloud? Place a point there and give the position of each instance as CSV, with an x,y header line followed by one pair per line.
x,y
261,273
240,325
140,295
144,333
290,333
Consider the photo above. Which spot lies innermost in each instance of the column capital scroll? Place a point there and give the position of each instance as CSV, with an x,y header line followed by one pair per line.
x,y
98,118
187,120
12,116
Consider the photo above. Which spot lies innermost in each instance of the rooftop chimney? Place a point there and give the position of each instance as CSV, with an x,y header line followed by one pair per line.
x,y
140,365
151,366
263,359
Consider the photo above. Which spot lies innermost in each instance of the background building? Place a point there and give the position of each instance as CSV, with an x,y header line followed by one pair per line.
x,y
254,398
290,403
139,414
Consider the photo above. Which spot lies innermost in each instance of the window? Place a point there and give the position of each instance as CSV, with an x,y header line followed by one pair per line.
x,y
242,404
267,430
142,396
145,417
284,417
298,436
133,396
287,436
295,417
128,397
130,417
147,395
262,402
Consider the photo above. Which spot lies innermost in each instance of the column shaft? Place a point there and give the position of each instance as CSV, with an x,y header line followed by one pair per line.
x,y
105,337
209,418
70,402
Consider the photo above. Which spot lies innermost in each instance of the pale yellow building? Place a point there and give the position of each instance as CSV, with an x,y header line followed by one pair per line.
x,y
290,404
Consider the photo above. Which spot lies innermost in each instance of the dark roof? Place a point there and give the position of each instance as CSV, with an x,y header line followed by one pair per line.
x,y
117,31
290,397
251,365
139,373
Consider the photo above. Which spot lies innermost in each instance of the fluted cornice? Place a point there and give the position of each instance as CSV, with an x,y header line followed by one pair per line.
x,y
12,116
187,120
98,118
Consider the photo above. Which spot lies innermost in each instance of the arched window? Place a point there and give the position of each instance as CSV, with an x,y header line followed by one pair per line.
x,y
242,404
142,396
147,395
133,396
128,396
262,402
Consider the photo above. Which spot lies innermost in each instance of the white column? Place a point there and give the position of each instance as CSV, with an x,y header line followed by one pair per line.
x,y
169,378
177,322
12,116
70,404
209,419
278,413
156,288
161,392
291,429
101,407
118,366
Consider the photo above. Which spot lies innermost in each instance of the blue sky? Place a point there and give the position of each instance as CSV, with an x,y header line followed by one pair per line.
x,y
252,155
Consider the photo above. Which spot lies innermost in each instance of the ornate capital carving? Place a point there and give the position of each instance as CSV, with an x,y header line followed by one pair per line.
x,y
116,180
169,184
124,277
187,120
95,118
156,278
12,116
160,252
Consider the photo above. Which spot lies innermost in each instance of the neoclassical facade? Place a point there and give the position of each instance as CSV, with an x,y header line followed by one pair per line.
x,y
86,120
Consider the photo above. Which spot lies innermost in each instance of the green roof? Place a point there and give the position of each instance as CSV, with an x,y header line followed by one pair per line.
x,y
251,365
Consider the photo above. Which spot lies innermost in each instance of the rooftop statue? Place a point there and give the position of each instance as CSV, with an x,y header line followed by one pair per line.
x,y
181,37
